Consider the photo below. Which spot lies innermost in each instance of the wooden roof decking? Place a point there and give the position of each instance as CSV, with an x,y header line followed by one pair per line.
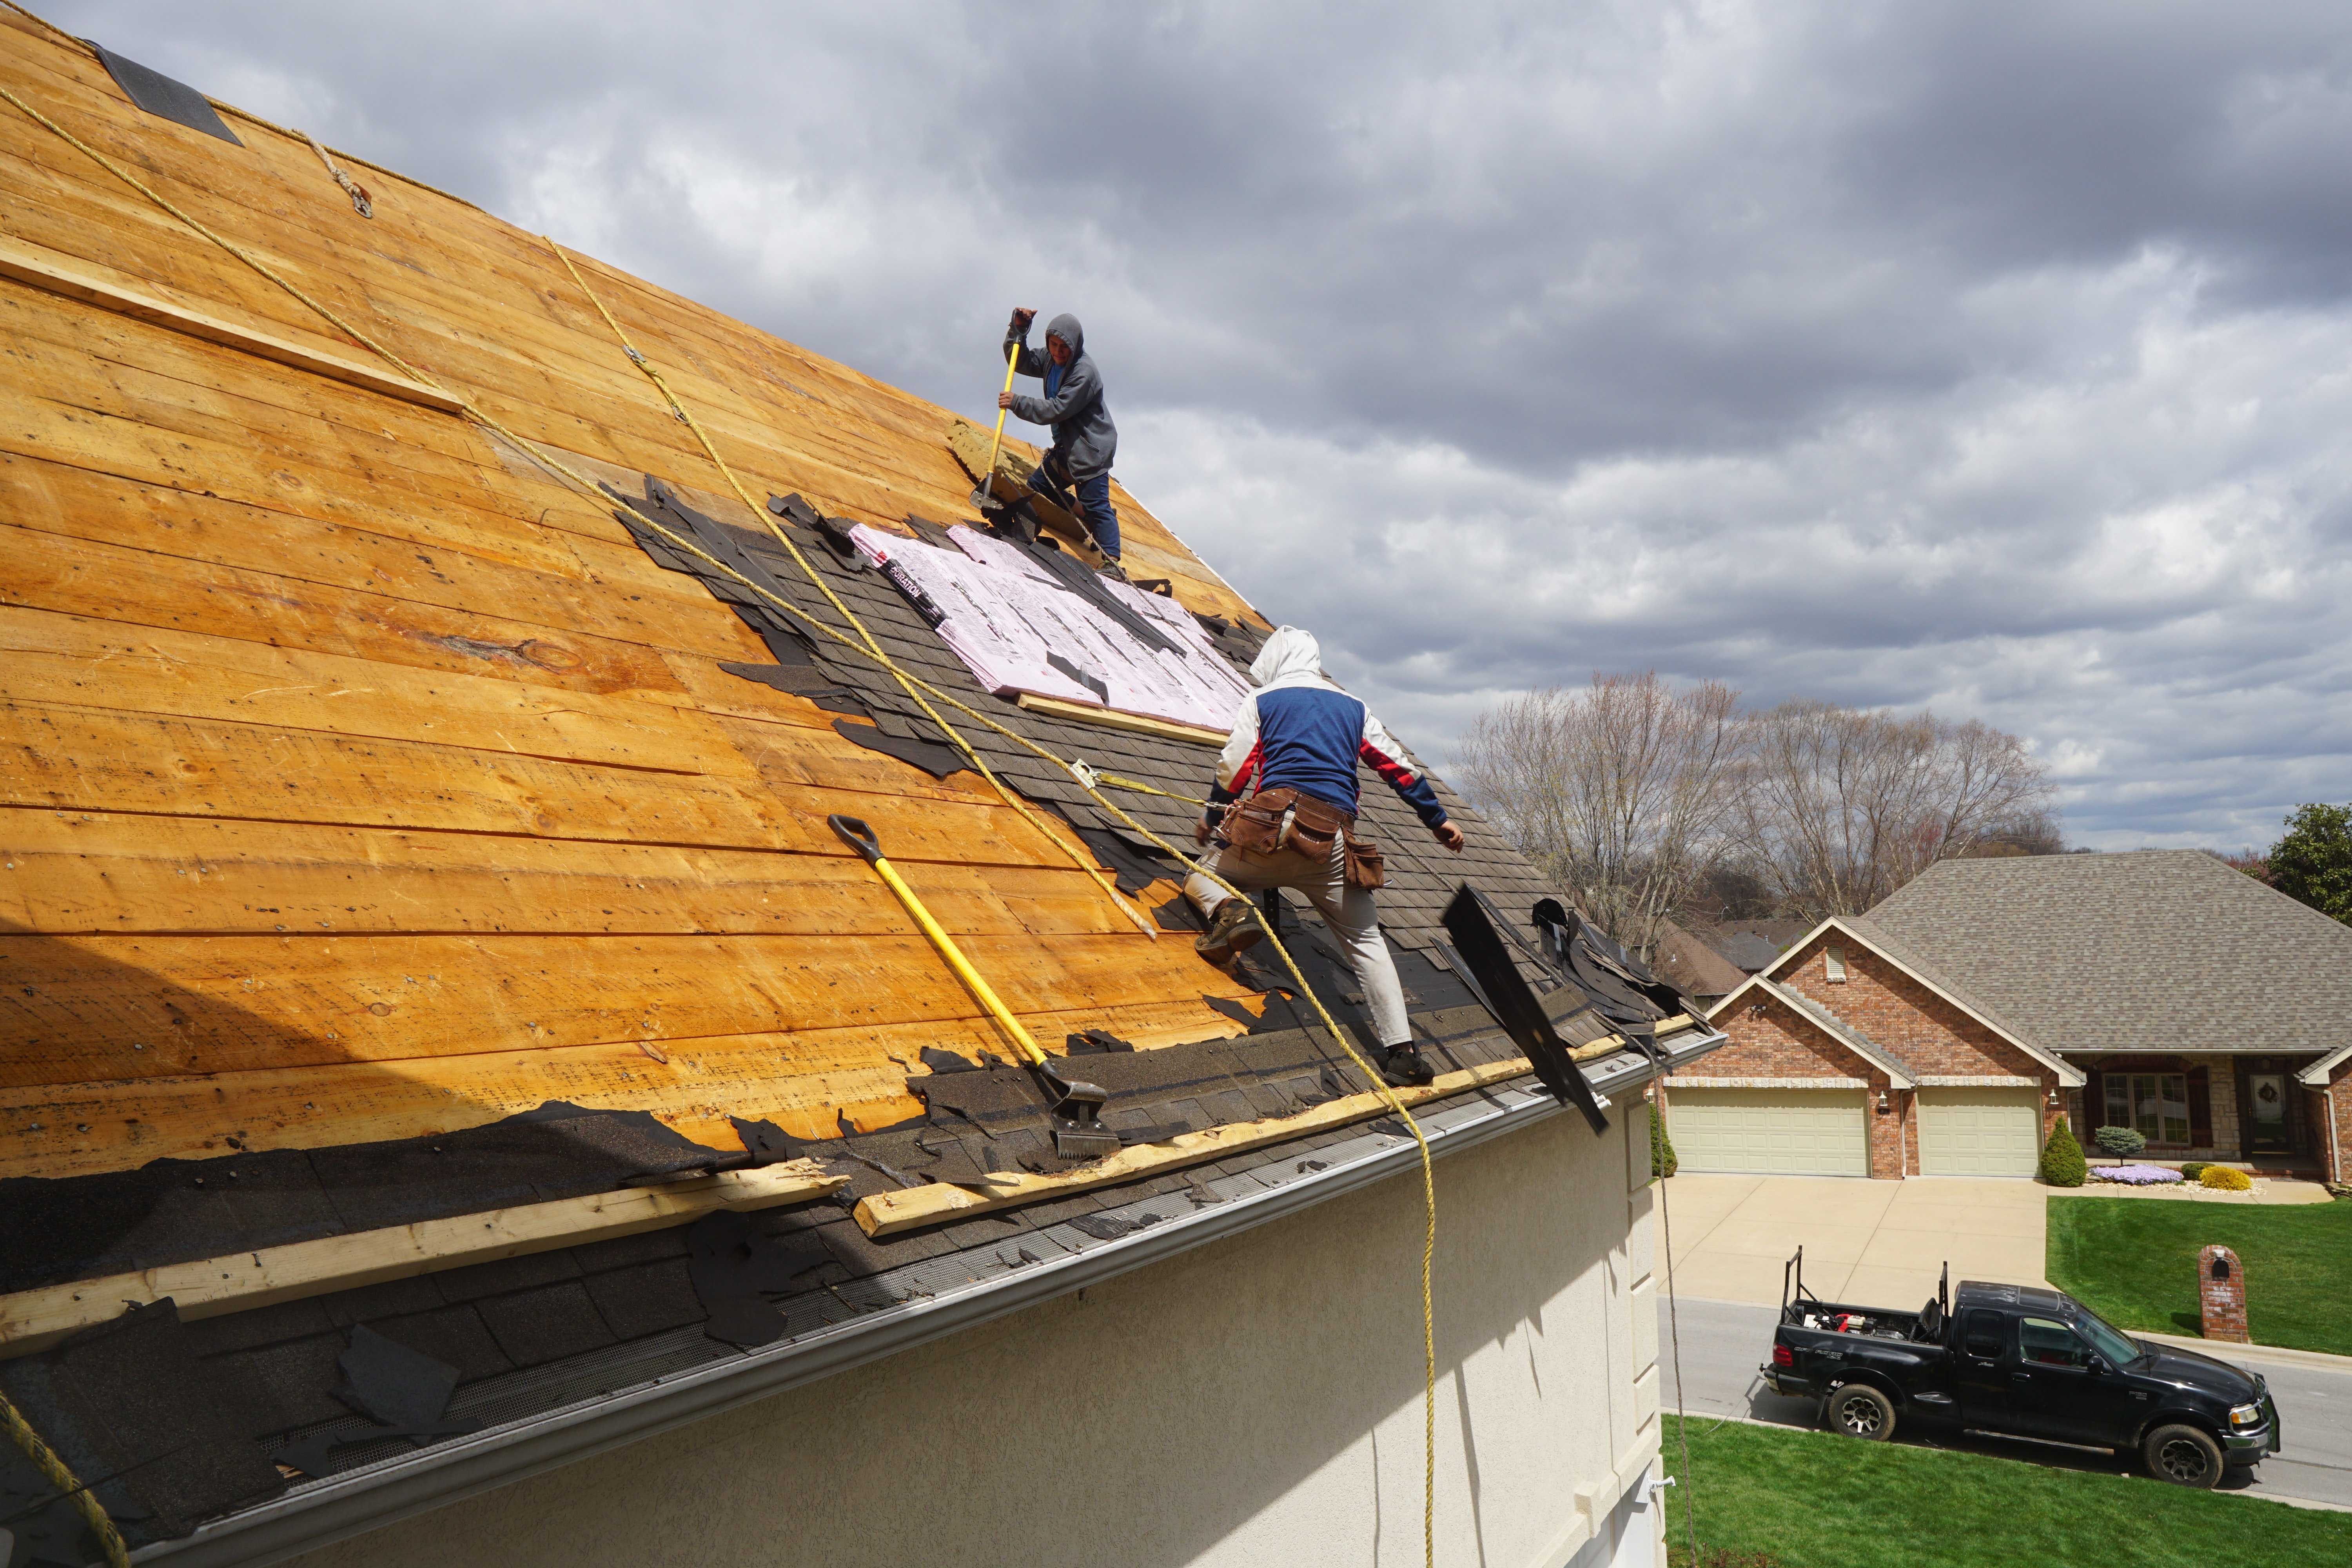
x,y
363,781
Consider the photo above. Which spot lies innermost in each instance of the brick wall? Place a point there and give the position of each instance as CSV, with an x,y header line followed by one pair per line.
x,y
1927,1033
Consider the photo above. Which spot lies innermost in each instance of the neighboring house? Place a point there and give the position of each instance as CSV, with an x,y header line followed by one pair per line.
x,y
1694,966
1752,945
1940,1034
556,1143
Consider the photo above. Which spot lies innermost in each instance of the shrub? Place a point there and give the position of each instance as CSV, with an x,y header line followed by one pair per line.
x,y
2137,1175
2222,1179
2193,1169
2061,1157
2123,1142
1662,1147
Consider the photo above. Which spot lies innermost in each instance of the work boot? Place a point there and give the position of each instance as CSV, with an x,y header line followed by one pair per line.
x,y
1231,931
1403,1066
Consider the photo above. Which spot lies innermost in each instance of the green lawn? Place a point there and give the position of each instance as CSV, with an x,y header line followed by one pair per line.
x,y
2134,1262
1813,1499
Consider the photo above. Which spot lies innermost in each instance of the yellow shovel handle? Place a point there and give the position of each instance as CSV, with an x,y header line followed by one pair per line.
x,y
1012,359
862,838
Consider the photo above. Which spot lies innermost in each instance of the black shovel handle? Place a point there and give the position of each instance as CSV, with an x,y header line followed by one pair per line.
x,y
857,836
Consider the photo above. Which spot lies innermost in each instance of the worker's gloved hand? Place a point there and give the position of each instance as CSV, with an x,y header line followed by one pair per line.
x,y
1019,326
1200,831
1449,835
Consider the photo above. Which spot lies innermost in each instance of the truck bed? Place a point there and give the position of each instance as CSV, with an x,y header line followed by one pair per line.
x,y
1867,1322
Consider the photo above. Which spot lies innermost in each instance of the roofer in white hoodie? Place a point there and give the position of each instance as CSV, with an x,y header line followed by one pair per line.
x,y
1284,812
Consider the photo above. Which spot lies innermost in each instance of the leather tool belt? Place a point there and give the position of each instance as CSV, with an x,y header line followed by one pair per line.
x,y
1278,819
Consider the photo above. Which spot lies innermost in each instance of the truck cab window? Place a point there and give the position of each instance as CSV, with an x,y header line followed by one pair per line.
x,y
2047,1343
1985,1333
2107,1340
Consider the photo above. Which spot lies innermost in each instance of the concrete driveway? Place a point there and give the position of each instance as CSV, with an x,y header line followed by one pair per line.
x,y
1879,1244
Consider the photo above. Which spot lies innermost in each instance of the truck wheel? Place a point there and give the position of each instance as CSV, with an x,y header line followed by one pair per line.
x,y
2183,1456
1859,1410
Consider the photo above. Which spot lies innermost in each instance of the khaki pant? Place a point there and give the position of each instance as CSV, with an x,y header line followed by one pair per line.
x,y
1352,913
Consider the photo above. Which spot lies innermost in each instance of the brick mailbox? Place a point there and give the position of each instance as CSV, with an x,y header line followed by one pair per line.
x,y
2222,1294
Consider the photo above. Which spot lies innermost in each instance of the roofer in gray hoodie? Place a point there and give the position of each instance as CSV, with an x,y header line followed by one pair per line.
x,y
1084,441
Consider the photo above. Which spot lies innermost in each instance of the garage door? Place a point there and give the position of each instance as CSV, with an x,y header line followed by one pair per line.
x,y
1980,1131
1774,1132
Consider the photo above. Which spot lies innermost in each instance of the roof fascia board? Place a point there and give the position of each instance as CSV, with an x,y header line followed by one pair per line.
x,y
1845,1034
446,1473
2315,1075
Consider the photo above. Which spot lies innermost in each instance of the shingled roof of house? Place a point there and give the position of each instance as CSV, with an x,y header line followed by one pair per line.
x,y
2146,950
393,857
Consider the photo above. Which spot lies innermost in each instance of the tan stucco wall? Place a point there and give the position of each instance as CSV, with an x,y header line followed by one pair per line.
x,y
1256,1401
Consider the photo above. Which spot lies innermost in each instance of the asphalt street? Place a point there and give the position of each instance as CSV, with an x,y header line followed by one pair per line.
x,y
1723,1341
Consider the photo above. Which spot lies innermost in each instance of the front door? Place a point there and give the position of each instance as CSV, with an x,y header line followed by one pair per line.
x,y
2267,1102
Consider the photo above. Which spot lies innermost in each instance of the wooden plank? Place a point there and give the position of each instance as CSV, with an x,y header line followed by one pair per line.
x,y
77,503
85,874
809,1083
37,427
1112,718
89,1008
888,1214
79,759
57,338
75,660
133,587
45,268
34,1319
73,758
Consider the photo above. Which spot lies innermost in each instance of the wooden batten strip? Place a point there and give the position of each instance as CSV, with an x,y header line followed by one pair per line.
x,y
34,1319
45,269
1111,719
888,1214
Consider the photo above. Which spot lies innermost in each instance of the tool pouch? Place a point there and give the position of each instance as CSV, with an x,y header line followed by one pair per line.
x,y
1255,827
1313,827
1367,868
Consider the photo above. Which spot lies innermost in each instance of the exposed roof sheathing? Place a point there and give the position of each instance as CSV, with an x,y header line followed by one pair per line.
x,y
388,840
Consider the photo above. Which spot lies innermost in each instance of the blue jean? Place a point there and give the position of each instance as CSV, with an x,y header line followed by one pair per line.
x,y
1093,502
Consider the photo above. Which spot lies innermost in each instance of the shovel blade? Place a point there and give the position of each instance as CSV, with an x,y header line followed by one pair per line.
x,y
1079,1141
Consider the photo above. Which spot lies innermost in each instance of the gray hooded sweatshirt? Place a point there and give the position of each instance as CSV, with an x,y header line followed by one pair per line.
x,y
1083,437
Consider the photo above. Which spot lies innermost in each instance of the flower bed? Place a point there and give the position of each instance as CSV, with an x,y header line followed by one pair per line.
x,y
2136,1176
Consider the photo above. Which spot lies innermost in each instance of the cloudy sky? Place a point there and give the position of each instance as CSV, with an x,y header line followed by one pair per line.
x,y
1993,357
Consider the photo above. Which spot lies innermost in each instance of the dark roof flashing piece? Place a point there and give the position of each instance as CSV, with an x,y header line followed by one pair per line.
x,y
160,95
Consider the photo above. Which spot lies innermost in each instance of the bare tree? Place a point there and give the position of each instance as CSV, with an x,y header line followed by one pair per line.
x,y
1844,806
1621,791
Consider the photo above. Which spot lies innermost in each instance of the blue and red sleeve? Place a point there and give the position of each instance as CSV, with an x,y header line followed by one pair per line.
x,y
1382,755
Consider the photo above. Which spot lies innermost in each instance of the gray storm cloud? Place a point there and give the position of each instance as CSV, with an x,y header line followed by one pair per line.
x,y
1988,356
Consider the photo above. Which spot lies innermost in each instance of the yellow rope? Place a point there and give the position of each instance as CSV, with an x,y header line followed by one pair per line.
x,y
1081,860
54,1470
914,686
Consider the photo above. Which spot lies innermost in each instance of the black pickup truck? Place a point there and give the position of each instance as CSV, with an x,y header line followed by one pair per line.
x,y
2018,1361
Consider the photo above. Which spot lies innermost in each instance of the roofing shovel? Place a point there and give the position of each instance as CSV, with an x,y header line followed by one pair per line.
x,y
983,494
1076,1108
